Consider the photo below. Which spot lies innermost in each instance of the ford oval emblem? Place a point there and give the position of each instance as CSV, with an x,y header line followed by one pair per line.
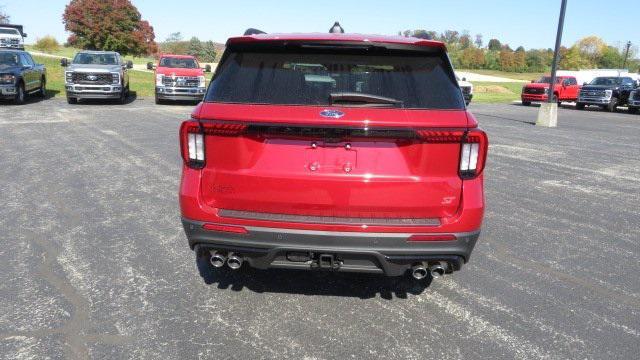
x,y
92,78
334,114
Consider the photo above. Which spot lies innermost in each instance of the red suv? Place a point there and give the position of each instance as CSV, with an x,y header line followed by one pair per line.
x,y
333,151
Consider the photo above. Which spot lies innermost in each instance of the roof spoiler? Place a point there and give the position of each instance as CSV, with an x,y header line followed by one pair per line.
x,y
252,31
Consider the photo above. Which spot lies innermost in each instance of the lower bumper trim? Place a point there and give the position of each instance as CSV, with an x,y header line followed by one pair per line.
x,y
387,253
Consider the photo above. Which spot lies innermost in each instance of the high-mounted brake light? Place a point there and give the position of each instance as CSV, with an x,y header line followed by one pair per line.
x,y
192,138
473,149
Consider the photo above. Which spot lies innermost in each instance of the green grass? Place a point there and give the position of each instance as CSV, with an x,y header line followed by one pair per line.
x,y
504,74
143,83
492,92
69,52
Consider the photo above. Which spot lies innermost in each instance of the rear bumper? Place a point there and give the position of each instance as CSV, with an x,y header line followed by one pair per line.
x,y
385,253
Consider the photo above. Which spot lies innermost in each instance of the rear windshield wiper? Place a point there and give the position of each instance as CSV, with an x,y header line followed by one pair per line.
x,y
361,98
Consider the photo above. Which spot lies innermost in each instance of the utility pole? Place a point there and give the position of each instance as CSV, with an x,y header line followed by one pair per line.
x,y
548,114
626,55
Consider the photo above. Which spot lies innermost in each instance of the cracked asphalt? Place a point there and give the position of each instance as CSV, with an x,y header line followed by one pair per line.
x,y
94,263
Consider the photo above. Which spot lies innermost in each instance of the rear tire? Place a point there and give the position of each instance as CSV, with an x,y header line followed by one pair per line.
x,y
613,105
526,103
580,106
20,94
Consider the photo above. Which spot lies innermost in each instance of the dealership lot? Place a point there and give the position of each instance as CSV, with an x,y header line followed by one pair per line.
x,y
94,261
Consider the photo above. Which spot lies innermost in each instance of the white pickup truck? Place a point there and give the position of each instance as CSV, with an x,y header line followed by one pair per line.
x,y
12,37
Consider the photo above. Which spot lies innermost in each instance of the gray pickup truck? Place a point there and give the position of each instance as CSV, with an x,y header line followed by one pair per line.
x,y
20,75
96,75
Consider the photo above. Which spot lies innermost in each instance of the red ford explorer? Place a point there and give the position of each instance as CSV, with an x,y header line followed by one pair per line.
x,y
332,151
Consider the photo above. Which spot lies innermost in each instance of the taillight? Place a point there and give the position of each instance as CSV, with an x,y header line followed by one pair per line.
x,y
473,147
192,138
473,154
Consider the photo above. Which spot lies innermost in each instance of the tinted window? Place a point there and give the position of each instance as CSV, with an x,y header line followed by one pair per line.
x,y
627,81
307,77
8,59
25,60
179,63
96,59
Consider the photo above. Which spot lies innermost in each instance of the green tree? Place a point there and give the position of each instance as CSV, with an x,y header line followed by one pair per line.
x,y
494,45
47,44
610,58
114,25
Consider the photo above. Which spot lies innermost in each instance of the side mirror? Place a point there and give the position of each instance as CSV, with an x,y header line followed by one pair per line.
x,y
149,66
464,79
64,62
207,68
24,34
584,84
129,64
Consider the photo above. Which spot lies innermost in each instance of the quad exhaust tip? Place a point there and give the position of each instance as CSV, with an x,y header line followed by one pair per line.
x,y
217,259
234,261
437,270
418,271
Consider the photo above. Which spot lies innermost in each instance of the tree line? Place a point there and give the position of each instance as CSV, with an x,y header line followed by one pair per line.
x,y
469,52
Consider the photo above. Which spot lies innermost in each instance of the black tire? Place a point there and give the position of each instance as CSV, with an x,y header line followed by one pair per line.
x,y
526,103
72,100
20,94
123,97
580,106
613,105
632,110
43,88
158,101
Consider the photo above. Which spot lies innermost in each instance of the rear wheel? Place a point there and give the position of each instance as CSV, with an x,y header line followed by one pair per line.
x,y
613,105
20,95
526,103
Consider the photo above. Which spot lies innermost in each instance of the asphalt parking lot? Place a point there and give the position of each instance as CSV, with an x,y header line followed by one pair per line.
x,y
94,262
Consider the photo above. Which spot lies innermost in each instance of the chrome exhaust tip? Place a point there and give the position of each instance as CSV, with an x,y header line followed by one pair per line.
x,y
437,270
418,271
217,259
234,261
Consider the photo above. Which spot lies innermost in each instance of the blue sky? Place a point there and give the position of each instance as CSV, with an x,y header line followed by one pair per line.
x,y
528,23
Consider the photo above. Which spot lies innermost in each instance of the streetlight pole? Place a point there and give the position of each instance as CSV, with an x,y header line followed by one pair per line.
x,y
626,55
548,115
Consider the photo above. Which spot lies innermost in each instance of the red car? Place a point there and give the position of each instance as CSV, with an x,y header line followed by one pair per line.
x,y
333,151
178,78
565,89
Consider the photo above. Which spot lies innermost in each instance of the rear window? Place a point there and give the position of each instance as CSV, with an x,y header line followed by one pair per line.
x,y
299,76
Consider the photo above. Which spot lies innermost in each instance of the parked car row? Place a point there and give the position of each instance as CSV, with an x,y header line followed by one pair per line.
x,y
606,92
100,75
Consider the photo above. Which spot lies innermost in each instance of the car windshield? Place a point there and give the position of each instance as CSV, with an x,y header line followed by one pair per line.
x,y
9,31
8,59
180,63
95,59
547,79
299,76
606,81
